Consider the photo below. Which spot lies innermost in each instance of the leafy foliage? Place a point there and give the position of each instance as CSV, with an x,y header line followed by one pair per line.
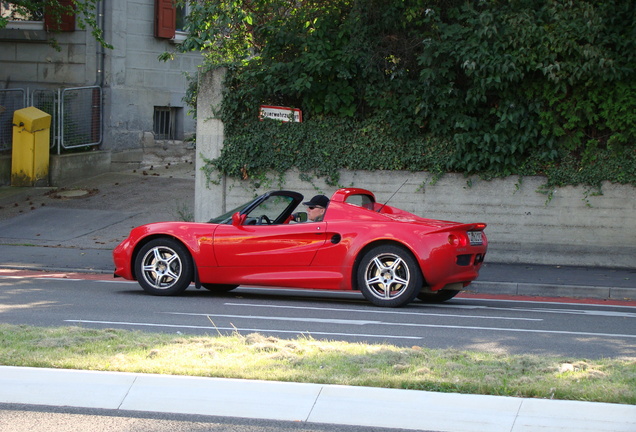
x,y
328,144
491,87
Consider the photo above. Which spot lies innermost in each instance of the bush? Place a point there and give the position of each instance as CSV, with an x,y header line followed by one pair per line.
x,y
489,87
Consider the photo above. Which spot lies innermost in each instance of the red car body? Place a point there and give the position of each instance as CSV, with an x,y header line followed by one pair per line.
x,y
259,245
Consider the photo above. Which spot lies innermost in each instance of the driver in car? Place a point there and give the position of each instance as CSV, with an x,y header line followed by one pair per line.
x,y
315,208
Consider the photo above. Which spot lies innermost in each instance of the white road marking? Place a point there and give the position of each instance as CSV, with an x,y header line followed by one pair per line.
x,y
65,279
550,302
436,326
549,310
384,323
277,318
377,312
242,329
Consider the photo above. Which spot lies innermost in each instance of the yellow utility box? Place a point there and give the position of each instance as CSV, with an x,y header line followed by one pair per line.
x,y
31,144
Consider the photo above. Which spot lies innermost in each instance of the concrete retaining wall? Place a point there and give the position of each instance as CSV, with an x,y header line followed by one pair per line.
x,y
71,167
5,170
566,227
66,168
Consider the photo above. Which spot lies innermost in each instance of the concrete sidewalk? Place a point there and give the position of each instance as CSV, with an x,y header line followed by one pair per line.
x,y
309,403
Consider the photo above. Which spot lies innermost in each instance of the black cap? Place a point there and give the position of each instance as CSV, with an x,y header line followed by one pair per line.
x,y
318,201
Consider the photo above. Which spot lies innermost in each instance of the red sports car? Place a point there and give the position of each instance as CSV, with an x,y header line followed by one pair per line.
x,y
390,255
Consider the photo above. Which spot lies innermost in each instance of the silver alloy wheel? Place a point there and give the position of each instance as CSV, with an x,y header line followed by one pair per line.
x,y
161,267
387,276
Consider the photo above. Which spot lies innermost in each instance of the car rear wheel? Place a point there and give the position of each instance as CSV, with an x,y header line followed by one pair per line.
x,y
389,276
437,296
218,288
164,267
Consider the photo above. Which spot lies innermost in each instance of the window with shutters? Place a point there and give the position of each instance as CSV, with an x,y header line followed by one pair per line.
x,y
165,19
21,18
41,19
170,20
180,33
181,13
60,22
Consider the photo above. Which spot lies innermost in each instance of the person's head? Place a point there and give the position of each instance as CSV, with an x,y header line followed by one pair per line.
x,y
316,207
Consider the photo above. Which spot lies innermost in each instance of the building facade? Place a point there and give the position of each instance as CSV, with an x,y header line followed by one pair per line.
x,y
140,97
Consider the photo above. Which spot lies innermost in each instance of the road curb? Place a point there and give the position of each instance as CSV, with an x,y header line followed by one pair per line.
x,y
550,290
305,403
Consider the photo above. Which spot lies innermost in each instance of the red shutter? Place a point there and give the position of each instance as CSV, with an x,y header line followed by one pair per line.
x,y
64,22
165,19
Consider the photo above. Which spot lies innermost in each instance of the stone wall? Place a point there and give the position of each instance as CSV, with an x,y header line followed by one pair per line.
x,y
568,226
28,60
137,81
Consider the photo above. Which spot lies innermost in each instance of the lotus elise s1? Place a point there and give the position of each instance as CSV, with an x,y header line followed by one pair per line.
x,y
390,255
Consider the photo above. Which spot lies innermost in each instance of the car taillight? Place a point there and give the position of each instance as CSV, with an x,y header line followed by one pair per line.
x,y
457,240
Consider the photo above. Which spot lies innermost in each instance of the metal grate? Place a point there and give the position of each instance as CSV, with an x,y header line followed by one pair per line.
x,y
11,100
81,117
164,123
46,100
76,115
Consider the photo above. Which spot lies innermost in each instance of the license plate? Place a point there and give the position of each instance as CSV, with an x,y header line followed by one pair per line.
x,y
475,238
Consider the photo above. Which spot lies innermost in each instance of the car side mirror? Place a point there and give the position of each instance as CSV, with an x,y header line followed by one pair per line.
x,y
238,219
300,217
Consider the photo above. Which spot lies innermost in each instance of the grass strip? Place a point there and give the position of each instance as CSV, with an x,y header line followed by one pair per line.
x,y
308,360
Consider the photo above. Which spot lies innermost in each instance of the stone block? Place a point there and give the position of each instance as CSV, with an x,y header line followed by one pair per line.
x,y
67,168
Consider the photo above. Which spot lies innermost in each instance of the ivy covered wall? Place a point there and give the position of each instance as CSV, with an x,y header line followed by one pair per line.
x,y
488,87
562,226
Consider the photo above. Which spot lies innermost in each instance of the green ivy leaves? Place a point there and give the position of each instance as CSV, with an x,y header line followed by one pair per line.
x,y
489,87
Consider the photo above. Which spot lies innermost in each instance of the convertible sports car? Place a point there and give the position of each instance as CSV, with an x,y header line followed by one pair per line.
x,y
390,255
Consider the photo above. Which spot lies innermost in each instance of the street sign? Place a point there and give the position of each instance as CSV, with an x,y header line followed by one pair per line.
x,y
281,113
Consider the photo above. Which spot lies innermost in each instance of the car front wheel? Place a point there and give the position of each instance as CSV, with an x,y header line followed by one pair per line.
x,y
164,267
389,276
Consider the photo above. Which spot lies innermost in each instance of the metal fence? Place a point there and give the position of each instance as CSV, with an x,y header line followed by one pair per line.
x,y
10,101
76,115
46,101
80,117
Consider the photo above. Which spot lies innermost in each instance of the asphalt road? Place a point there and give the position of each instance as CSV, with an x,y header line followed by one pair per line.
x,y
590,330
29,418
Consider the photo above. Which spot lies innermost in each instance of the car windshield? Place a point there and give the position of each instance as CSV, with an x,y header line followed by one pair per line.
x,y
272,207
226,218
